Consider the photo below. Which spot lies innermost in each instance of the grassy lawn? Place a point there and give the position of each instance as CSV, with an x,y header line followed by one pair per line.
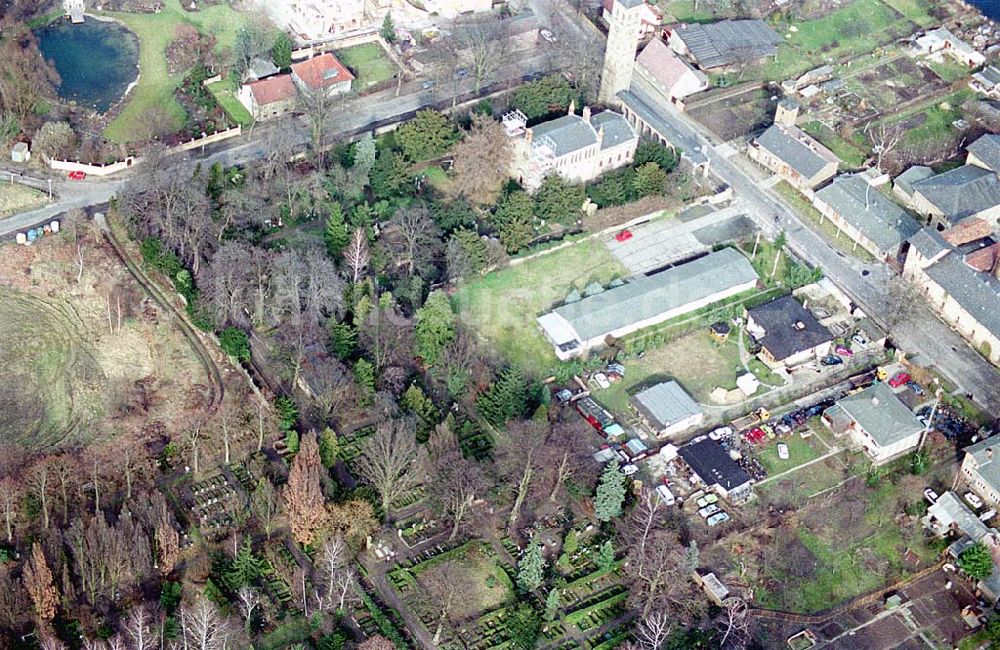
x,y
930,124
763,373
851,153
437,177
684,11
833,234
717,365
800,452
156,85
949,70
915,10
225,93
16,198
858,28
503,305
369,63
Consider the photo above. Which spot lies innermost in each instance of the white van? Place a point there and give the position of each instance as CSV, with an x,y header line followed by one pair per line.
x,y
666,496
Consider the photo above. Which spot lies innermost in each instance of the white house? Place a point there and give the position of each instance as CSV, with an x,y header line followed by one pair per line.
x,y
877,421
942,40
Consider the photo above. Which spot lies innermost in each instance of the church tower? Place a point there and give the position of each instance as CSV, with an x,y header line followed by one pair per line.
x,y
619,55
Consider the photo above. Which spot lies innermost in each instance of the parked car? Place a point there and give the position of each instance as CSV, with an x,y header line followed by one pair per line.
x,y
899,379
461,72
844,351
718,518
973,500
915,387
601,380
989,514
931,495
831,360
707,500
782,451
428,84
666,496
548,36
77,176
708,511
860,340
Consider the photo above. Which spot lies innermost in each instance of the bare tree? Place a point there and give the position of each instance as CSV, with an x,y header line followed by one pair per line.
x,y
734,625
884,138
249,601
454,484
388,458
40,486
479,44
653,630
356,255
264,503
141,630
203,627
563,455
413,239
317,105
445,587
340,583
520,460
481,161
10,495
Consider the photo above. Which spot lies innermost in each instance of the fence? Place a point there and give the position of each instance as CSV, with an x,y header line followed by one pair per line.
x,y
209,139
91,170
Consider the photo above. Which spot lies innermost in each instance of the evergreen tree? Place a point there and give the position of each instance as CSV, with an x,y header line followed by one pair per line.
x,y
610,493
552,604
417,402
343,339
606,556
365,153
364,376
538,98
281,51
337,234
531,567
246,568
505,399
388,30
649,180
976,561
558,200
435,327
328,446
428,135
692,556
292,441
390,176
652,151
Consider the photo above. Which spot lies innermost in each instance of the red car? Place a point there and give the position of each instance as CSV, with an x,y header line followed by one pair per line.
x,y
899,379
77,176
624,235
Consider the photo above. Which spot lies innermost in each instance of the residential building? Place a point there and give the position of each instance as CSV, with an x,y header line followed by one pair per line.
x,y
950,518
269,98
985,152
987,82
674,77
794,155
966,191
902,186
450,9
942,40
322,73
650,17
724,43
869,218
981,469
788,333
624,25
666,409
577,147
576,328
963,287
717,470
877,421
312,21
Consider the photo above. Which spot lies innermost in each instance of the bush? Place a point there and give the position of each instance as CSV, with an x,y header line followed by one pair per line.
x,y
976,561
235,343
288,412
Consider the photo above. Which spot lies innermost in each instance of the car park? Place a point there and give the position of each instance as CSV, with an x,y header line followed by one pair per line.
x,y
782,451
717,518
707,500
831,360
973,500
931,495
899,379
708,511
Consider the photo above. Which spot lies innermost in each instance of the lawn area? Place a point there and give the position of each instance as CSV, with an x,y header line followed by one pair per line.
x,y
437,177
800,452
763,373
717,365
15,198
684,11
930,125
830,232
853,154
483,583
369,63
225,93
857,28
915,10
155,88
503,305
949,70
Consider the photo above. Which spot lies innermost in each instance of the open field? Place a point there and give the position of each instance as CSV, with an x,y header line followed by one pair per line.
x,y
369,63
225,93
857,28
503,305
15,198
155,88
69,376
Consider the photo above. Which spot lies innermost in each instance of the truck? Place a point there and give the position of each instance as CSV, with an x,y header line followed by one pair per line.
x,y
752,418
595,414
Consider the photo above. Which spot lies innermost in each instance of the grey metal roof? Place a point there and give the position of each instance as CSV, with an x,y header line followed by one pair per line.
x,y
977,293
631,4
912,175
728,41
868,210
878,411
953,515
989,76
652,295
961,192
780,321
796,149
988,467
665,404
987,149
617,130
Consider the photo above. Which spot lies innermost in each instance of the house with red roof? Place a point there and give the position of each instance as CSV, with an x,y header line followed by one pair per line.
x,y
268,98
674,77
323,72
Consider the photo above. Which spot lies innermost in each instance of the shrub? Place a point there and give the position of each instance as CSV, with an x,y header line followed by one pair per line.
x,y
235,343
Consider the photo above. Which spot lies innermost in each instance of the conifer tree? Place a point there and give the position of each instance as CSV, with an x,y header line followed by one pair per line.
x,y
531,567
336,234
610,493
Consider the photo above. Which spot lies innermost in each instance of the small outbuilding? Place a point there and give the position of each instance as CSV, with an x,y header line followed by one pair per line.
x,y
20,153
666,409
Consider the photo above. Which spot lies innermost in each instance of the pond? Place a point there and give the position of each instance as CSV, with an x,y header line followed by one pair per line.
x,y
97,60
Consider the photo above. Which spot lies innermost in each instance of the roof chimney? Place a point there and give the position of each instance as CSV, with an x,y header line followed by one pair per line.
x,y
529,133
799,325
586,114
572,107
600,135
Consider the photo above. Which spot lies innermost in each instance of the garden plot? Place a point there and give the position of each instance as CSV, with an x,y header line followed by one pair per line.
x,y
737,115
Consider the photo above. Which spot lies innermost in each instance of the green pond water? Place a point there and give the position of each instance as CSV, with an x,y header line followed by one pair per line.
x,y
96,60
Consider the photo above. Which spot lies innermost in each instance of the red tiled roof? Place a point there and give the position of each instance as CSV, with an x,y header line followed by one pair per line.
x,y
273,89
967,230
321,71
662,63
984,259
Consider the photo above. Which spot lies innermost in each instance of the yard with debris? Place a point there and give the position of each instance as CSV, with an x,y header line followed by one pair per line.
x,y
16,198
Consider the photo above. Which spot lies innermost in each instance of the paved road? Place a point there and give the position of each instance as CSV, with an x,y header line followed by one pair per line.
x,y
922,332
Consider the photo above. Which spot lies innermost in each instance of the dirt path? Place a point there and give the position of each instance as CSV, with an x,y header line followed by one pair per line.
x,y
204,357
